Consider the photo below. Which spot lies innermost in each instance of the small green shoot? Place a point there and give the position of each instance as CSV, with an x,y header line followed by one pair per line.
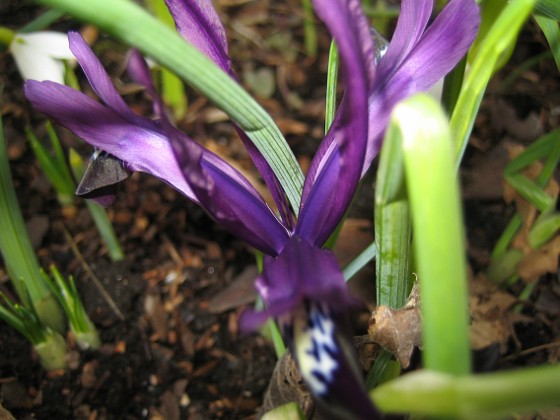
x,y
545,227
83,329
309,28
53,164
172,88
49,345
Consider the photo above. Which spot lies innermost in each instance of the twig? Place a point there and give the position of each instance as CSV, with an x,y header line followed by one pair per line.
x,y
108,299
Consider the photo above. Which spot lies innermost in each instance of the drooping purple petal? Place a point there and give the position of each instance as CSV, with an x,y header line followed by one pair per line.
x,y
221,190
235,205
327,360
330,188
140,148
198,22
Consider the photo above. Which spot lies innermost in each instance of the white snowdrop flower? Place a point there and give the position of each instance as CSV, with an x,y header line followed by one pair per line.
x,y
39,55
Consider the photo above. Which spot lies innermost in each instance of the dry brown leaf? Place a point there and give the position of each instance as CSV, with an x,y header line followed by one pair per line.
x,y
286,385
398,330
241,291
491,316
156,316
540,261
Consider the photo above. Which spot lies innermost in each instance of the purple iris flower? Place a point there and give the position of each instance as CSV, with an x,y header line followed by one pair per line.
x,y
301,283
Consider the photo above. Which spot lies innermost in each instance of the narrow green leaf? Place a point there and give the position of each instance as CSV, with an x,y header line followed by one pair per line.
x,y
551,32
367,255
501,36
530,191
173,90
309,28
392,229
487,396
55,169
452,86
419,124
544,230
18,253
332,78
42,21
549,8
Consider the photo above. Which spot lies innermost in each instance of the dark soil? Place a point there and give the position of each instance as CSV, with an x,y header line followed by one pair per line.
x,y
176,352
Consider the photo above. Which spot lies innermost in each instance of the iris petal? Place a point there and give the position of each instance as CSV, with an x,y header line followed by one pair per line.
x,y
331,186
198,22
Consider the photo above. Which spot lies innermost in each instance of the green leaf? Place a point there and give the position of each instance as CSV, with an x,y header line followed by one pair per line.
x,y
487,396
500,37
18,253
420,127
549,8
551,31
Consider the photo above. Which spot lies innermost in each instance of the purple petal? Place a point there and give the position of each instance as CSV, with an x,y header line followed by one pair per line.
x,y
327,359
139,72
139,147
444,43
99,79
198,22
219,186
227,196
330,187
413,18
301,272
435,54
269,178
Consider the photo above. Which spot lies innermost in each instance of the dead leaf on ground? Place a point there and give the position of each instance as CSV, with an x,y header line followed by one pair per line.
x,y
286,385
540,261
240,291
504,117
491,316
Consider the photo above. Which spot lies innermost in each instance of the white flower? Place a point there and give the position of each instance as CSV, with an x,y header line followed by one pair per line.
x,y
38,55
